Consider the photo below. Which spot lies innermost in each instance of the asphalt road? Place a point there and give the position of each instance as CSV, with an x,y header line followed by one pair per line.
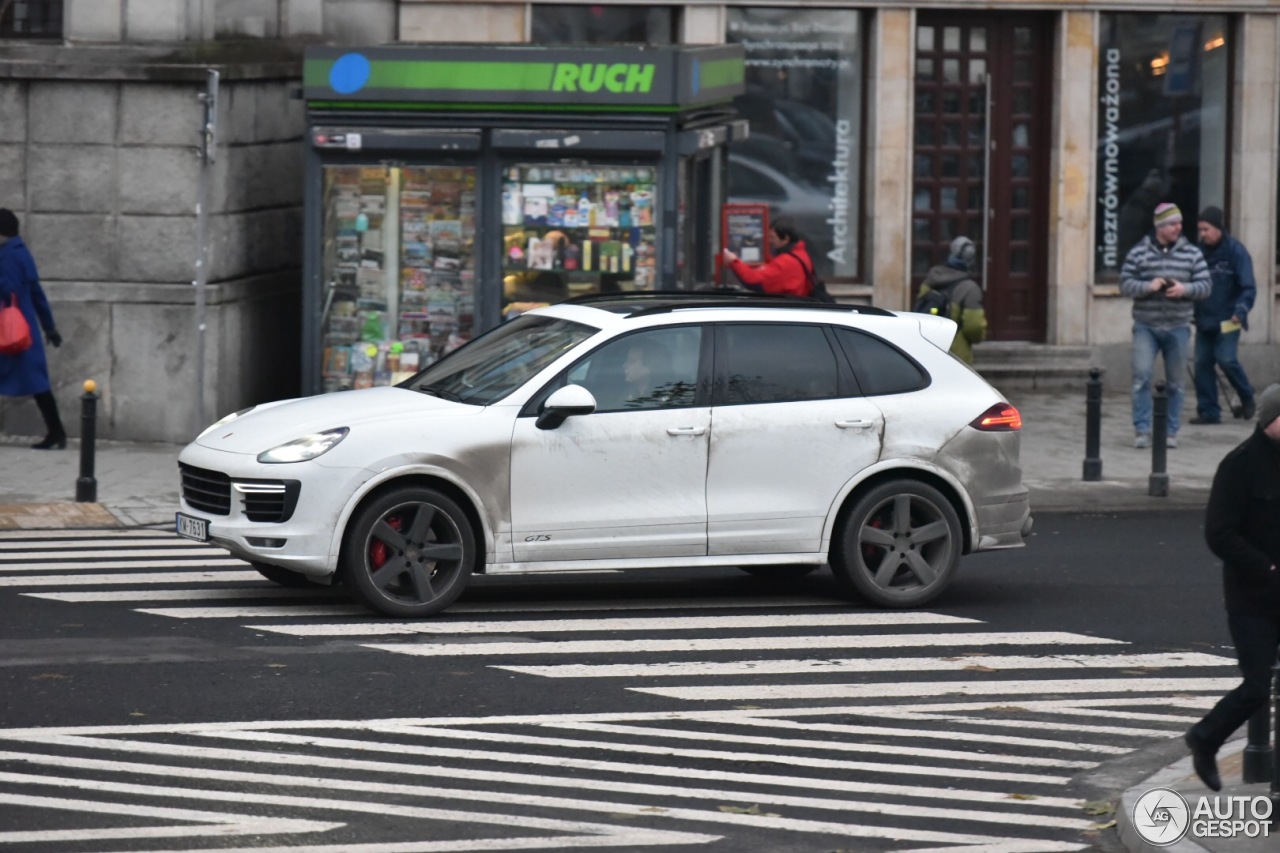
x,y
700,710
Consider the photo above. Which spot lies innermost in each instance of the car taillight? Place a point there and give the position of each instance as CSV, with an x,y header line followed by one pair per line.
x,y
1001,417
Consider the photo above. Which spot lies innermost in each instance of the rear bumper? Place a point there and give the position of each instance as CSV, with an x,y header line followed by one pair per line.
x,y
1003,521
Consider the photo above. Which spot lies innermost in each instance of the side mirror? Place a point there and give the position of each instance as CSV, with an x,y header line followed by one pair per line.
x,y
564,403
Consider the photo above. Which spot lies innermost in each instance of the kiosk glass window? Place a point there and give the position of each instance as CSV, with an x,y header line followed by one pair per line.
x,y
573,229
1162,124
602,24
804,103
398,270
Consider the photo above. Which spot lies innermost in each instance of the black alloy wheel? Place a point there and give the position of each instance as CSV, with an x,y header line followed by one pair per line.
x,y
409,552
899,545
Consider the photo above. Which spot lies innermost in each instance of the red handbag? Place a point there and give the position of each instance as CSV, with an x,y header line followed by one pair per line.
x,y
15,332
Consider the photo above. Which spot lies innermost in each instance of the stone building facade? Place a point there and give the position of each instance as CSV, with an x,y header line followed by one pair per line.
x,y
1039,129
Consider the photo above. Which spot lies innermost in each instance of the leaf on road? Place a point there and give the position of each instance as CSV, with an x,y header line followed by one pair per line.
x,y
1008,709
752,810
654,809
1023,797
1099,807
49,676
977,667
136,714
277,665
1108,825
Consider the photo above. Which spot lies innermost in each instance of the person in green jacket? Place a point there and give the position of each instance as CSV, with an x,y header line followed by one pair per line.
x,y
963,295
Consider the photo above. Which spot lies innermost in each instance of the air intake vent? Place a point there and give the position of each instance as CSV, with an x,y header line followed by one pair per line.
x,y
207,491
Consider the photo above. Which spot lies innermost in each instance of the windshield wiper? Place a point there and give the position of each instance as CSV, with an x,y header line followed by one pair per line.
x,y
435,391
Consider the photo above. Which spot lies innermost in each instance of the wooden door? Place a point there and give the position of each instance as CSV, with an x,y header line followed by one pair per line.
x,y
981,164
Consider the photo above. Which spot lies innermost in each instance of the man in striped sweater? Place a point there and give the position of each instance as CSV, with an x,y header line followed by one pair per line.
x,y
1163,275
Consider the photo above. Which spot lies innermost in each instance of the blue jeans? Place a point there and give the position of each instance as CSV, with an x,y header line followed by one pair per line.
x,y
1215,347
1147,341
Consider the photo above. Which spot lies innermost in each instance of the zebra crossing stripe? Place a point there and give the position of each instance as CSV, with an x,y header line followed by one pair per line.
x,y
266,590
916,735
25,538
879,690
975,663
258,612
706,644
124,564
217,824
597,832
639,623
131,578
912,714
241,757
734,755
367,786
61,553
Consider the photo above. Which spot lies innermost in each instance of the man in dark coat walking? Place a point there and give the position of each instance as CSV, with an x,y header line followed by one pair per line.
x,y
27,374
1240,527
1220,318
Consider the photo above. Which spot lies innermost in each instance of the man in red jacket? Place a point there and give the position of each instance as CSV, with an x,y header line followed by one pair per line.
x,y
790,271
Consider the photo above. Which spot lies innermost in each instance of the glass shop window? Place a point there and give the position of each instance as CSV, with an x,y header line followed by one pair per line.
x,y
1162,124
603,24
34,19
804,102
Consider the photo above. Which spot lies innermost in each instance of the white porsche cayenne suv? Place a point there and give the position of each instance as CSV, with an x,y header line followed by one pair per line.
x,y
630,431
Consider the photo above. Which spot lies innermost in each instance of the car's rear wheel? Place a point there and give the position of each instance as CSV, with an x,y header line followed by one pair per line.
x,y
409,552
780,572
899,545
284,577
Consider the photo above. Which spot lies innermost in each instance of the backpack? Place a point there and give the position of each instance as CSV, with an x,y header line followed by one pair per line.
x,y
936,302
817,287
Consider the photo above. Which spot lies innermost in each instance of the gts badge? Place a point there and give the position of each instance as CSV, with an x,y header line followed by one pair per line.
x,y
539,538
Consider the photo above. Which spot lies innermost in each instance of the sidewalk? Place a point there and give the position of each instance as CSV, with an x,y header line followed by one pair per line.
x,y
137,485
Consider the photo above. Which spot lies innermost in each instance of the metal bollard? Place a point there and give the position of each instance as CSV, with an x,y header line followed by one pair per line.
x,y
1093,427
1257,759
87,485
1158,482
1275,764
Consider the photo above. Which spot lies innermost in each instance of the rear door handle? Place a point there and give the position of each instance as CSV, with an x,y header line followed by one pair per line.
x,y
694,430
859,424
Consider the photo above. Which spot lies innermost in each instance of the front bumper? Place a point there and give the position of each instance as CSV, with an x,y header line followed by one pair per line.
x,y
307,542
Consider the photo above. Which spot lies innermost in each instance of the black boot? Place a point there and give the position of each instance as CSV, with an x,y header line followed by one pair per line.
x,y
1204,761
55,436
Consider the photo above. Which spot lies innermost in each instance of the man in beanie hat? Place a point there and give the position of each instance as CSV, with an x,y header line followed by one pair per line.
x,y
958,296
1220,318
1240,527
26,374
1162,274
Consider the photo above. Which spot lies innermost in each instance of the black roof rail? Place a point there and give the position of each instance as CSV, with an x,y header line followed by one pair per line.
x,y
637,304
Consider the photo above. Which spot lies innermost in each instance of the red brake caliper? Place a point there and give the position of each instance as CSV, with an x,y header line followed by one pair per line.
x,y
869,551
378,551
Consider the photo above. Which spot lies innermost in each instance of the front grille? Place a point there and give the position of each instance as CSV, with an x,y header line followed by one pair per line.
x,y
271,501
205,490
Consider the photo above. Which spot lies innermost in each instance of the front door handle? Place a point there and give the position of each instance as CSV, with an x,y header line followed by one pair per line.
x,y
695,430
859,424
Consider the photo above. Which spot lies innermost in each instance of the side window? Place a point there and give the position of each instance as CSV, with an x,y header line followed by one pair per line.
x,y
657,369
775,363
880,367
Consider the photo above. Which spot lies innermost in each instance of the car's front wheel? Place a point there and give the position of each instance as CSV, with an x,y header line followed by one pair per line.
x,y
409,552
899,545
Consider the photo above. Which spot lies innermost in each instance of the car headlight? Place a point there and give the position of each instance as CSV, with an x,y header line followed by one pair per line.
x,y
224,421
305,448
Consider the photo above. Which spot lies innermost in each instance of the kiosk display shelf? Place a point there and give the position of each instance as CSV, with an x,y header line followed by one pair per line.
x,y
594,226
398,261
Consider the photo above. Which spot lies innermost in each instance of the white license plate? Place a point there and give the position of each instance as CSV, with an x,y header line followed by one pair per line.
x,y
190,527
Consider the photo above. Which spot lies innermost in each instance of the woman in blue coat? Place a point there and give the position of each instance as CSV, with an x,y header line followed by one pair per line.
x,y
26,374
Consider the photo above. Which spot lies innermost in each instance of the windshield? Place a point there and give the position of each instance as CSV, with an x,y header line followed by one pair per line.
x,y
500,361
